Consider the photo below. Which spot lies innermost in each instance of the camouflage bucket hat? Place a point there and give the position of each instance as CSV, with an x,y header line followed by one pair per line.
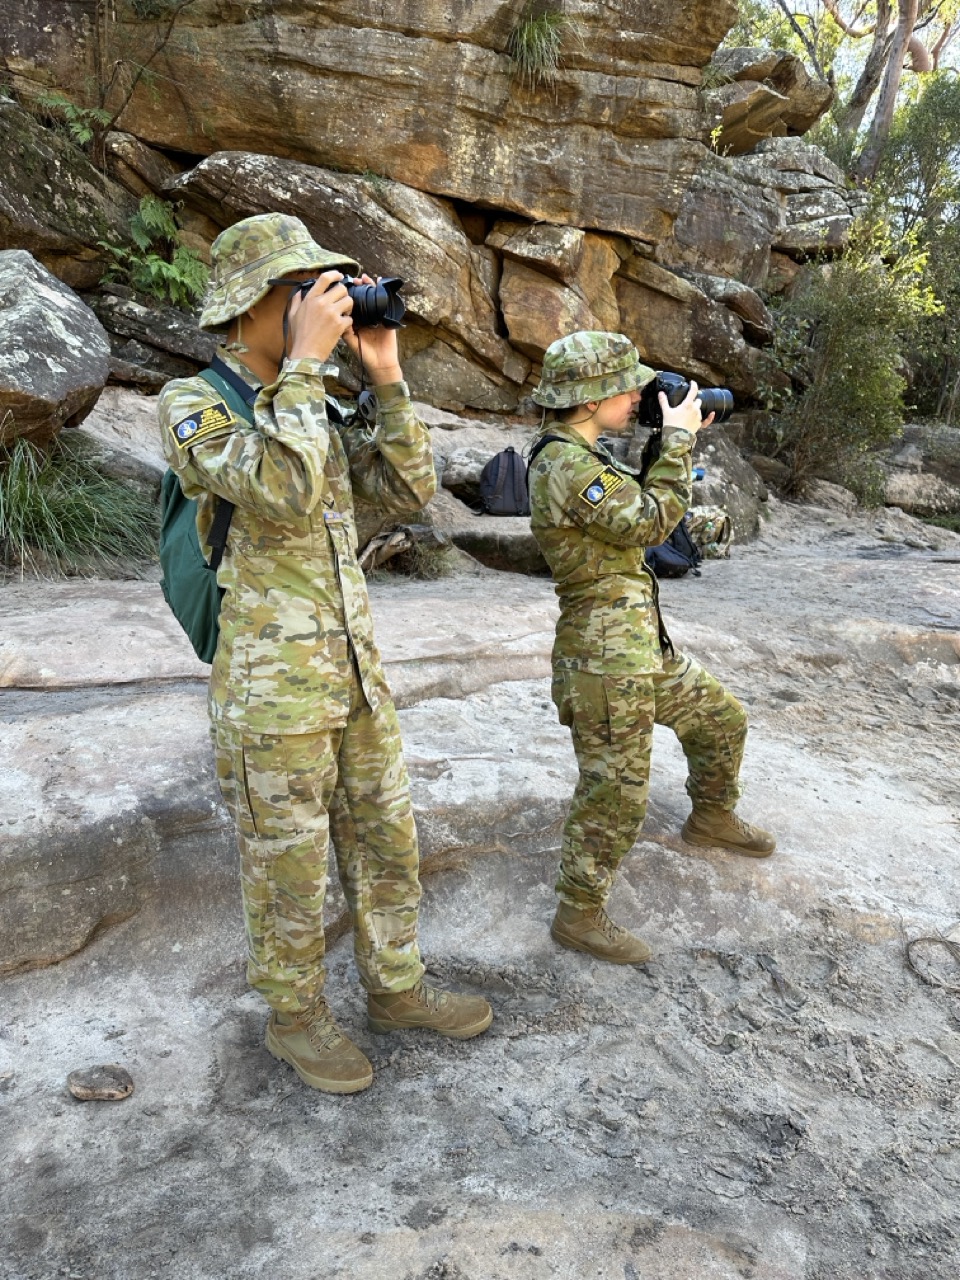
x,y
248,254
589,365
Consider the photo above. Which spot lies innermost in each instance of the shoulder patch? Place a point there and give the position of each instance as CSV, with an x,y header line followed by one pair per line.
x,y
601,486
210,421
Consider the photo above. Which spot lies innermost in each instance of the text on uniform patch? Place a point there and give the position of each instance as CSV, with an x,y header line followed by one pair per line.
x,y
207,422
601,486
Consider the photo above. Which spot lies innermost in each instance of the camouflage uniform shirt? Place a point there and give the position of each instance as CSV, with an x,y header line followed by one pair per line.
x,y
592,520
295,621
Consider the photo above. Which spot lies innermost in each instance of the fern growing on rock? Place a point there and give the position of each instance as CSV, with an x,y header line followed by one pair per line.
x,y
157,264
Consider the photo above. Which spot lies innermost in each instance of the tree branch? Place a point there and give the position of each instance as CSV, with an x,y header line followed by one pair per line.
x,y
832,7
805,41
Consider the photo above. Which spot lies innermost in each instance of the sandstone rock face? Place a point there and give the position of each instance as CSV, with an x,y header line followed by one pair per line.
x,y
514,212
727,221
616,136
125,423
770,93
142,169
54,203
739,298
165,328
818,209
54,354
786,198
676,326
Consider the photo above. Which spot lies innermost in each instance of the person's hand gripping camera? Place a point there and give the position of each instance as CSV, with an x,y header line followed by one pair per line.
x,y
326,312
687,413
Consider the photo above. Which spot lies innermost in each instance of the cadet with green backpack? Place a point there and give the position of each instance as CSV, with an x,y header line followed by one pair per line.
x,y
306,736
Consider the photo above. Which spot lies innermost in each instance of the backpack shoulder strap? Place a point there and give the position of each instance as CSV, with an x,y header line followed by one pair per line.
x,y
240,397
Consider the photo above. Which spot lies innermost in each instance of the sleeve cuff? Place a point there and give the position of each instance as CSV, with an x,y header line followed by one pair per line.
x,y
391,392
679,436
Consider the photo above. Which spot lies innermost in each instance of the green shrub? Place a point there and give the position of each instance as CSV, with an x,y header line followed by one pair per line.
x,y
840,344
535,43
158,265
80,123
58,513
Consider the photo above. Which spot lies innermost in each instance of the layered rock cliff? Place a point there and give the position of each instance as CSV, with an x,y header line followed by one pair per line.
x,y
515,211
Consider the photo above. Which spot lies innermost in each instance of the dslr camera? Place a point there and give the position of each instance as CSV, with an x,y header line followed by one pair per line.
x,y
373,304
716,400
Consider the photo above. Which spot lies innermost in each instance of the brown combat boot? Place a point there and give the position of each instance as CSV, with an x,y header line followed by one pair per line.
x,y
429,1008
595,933
318,1051
709,825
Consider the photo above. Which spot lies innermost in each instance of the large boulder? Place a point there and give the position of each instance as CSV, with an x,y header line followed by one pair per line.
x,y
426,94
767,92
923,470
54,354
55,203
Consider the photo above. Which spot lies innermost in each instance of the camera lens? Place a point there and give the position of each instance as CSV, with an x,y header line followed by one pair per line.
x,y
716,400
376,304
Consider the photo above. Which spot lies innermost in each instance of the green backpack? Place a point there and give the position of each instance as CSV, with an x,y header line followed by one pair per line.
x,y
189,582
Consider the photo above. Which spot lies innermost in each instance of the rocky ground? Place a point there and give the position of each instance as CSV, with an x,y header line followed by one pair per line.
x,y
775,1096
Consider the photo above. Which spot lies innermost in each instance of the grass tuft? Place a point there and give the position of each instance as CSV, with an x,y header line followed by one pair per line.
x,y
60,516
535,43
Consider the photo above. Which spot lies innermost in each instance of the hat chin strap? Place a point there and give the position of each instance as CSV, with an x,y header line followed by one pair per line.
x,y
238,346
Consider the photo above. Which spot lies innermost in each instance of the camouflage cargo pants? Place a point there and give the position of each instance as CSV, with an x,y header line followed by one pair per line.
x,y
288,796
611,719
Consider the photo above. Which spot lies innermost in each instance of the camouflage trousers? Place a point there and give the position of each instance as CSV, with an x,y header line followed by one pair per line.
x,y
288,796
611,719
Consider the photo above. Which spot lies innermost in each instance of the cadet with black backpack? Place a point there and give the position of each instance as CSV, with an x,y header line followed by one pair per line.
x,y
615,670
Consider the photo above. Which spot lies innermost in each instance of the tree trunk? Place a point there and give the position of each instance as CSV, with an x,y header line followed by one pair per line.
x,y
850,118
869,160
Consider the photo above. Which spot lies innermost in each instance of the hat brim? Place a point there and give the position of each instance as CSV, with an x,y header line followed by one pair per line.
x,y
244,289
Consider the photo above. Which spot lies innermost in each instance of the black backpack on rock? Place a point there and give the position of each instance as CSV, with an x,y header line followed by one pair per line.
x,y
503,485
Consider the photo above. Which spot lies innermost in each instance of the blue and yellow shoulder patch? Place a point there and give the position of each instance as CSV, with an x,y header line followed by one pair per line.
x,y
209,421
601,486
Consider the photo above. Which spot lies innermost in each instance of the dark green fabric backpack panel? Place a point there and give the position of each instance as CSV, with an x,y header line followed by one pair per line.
x,y
189,585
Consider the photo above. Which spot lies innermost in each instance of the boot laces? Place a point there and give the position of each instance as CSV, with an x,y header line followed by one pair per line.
x,y
432,998
608,927
744,828
321,1028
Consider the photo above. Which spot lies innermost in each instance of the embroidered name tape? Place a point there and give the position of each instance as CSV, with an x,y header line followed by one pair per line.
x,y
333,517
208,422
601,487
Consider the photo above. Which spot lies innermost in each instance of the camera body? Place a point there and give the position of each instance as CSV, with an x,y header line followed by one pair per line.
x,y
716,400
